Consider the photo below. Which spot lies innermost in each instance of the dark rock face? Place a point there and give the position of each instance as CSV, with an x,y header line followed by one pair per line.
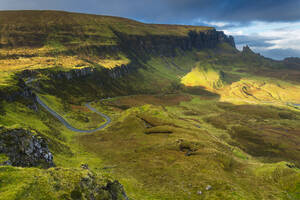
x,y
25,148
120,71
117,191
246,49
165,45
12,94
89,189
22,91
209,39
75,73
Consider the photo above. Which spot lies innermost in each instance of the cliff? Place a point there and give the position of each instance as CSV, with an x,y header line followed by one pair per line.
x,y
166,45
66,45
71,33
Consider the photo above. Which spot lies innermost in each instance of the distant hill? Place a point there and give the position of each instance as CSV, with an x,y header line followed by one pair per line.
x,y
292,62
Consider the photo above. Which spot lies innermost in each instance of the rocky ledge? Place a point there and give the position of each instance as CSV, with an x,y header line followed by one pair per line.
x,y
24,148
89,188
120,71
167,45
74,73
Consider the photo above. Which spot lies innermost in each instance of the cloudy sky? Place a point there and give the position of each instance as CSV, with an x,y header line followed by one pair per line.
x,y
270,27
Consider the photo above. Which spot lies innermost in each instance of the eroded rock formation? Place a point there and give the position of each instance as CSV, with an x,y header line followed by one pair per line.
x,y
24,148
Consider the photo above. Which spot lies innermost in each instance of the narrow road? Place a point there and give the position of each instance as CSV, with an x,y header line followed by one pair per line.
x,y
70,127
63,121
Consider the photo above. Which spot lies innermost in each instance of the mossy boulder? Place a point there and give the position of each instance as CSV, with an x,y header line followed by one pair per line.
x,y
24,148
58,183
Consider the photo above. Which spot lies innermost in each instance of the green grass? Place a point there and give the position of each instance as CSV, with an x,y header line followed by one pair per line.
x,y
47,39
205,76
3,158
172,165
158,165
79,116
55,183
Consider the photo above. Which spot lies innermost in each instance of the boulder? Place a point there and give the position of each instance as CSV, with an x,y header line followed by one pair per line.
x,y
25,148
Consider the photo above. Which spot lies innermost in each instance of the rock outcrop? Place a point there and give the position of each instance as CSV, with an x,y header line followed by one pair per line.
x,y
209,39
166,45
247,50
74,73
120,71
20,91
89,189
12,93
24,148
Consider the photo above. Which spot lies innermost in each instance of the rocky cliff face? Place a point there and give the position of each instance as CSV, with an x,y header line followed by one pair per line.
x,y
167,45
24,148
75,73
120,71
20,92
11,94
89,189
209,39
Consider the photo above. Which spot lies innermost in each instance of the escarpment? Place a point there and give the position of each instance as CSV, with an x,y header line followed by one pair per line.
x,y
166,45
62,45
74,73
120,71
100,35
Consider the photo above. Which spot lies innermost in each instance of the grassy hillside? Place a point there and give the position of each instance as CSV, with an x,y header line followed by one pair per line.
x,y
173,146
192,117
45,39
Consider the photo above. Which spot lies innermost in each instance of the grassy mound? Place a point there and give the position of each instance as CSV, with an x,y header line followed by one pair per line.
x,y
57,183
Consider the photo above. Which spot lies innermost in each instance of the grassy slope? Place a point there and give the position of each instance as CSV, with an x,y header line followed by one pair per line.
x,y
47,184
48,18
79,116
200,151
244,78
45,39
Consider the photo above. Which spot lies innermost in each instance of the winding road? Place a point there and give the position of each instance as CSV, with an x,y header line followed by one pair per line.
x,y
70,127
63,121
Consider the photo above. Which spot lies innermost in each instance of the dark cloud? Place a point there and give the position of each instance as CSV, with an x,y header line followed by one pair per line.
x,y
173,11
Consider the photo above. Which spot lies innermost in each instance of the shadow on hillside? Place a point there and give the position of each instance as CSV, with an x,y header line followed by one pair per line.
x,y
200,91
267,132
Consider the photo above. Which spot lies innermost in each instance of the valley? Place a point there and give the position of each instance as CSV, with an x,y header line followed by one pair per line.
x,y
142,111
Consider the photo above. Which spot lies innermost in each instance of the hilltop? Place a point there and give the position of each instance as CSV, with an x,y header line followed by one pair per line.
x,y
185,115
41,28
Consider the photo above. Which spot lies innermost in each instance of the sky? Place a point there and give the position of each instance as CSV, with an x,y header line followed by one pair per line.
x,y
269,27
